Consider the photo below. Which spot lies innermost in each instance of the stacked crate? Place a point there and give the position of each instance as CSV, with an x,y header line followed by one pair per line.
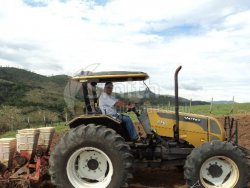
x,y
45,137
27,140
7,151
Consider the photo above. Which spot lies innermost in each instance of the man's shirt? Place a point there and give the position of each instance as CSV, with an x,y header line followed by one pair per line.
x,y
106,104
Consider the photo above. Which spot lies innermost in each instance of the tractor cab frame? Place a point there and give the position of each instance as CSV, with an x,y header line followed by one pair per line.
x,y
92,112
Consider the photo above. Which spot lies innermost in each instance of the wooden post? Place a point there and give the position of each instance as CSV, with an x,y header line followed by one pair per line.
x,y
28,122
44,119
211,105
190,105
232,108
66,117
12,123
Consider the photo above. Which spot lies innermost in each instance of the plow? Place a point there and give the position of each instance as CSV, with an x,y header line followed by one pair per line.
x,y
25,159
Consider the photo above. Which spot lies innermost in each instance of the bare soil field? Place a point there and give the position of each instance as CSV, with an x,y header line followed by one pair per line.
x,y
167,177
244,130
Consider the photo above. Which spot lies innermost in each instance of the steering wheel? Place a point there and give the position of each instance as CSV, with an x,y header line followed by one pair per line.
x,y
134,109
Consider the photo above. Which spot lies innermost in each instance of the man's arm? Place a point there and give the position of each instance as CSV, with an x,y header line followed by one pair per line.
x,y
123,104
120,104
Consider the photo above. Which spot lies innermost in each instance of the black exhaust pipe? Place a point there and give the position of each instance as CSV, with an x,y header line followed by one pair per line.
x,y
177,118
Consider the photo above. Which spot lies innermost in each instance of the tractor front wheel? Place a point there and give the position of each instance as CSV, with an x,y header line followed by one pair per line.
x,y
217,164
91,156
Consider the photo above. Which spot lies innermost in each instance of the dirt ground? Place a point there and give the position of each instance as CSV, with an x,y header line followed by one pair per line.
x,y
244,130
166,177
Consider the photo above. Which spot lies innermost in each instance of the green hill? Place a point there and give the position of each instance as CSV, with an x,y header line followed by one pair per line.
x,y
29,98
23,88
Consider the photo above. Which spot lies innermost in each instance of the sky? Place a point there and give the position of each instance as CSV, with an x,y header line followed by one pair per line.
x,y
209,38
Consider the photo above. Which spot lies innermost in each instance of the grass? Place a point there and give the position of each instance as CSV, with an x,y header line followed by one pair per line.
x,y
222,109
132,115
9,134
61,127
218,109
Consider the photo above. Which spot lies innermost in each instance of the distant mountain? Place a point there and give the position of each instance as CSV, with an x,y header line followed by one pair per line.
x,y
156,99
224,102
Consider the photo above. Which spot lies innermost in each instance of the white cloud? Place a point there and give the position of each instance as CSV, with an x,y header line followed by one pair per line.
x,y
209,38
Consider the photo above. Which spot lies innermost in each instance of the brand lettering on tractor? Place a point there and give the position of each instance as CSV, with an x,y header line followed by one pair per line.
x,y
192,119
160,122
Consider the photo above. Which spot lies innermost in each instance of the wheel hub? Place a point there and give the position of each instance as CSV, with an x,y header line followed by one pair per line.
x,y
219,171
93,164
215,171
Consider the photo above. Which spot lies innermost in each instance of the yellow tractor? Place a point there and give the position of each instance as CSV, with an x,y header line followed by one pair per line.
x,y
97,151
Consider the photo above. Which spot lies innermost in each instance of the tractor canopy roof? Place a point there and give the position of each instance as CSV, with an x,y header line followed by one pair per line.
x,y
111,76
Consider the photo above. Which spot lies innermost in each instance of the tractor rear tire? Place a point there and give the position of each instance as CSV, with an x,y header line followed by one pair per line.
x,y
217,164
91,156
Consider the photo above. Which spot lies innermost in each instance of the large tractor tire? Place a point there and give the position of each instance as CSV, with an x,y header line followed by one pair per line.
x,y
217,164
91,156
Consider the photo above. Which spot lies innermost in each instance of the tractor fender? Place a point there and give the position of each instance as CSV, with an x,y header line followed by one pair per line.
x,y
103,120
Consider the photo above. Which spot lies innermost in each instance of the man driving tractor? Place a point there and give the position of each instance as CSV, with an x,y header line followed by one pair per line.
x,y
108,104
97,150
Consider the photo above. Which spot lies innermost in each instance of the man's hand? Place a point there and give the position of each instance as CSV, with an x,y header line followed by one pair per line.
x,y
120,104
130,106
123,105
